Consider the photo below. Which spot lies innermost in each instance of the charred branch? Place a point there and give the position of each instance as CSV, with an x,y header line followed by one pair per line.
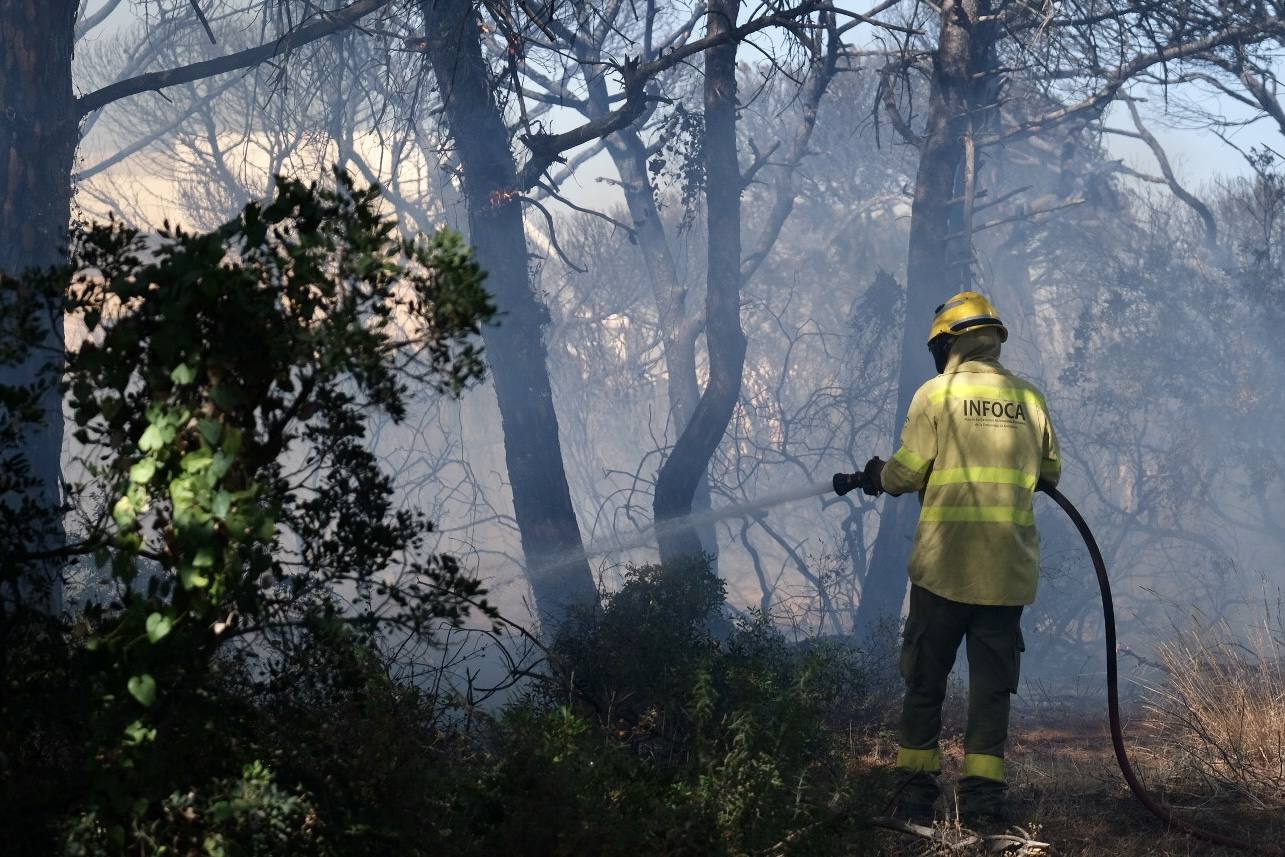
x,y
329,22
1113,79
1166,169
787,184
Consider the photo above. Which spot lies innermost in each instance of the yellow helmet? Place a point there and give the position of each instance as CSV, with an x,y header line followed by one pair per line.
x,y
966,311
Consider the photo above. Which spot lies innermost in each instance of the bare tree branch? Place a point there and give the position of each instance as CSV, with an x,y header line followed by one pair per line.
x,y
1115,78
84,26
887,96
546,149
1202,211
205,22
157,134
331,22
787,185
962,840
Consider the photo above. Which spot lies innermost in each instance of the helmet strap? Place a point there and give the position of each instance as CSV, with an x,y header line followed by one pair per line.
x,y
940,347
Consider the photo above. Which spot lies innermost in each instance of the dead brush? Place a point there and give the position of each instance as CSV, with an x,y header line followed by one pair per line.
x,y
1219,712
949,838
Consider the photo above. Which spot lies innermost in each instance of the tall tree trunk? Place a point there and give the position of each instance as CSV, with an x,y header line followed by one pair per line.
x,y
682,471
559,574
39,129
679,329
937,265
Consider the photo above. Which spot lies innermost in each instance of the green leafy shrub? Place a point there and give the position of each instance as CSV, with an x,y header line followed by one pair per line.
x,y
661,734
371,751
238,817
690,743
221,393
225,687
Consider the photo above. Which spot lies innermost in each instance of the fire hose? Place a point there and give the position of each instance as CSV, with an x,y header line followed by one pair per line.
x,y
845,482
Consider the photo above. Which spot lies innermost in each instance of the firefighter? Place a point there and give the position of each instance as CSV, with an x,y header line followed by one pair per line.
x,y
976,442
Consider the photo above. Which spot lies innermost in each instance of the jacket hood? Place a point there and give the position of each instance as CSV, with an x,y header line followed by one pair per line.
x,y
982,344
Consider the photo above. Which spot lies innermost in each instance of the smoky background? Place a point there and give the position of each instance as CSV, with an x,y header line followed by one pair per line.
x,y
1134,257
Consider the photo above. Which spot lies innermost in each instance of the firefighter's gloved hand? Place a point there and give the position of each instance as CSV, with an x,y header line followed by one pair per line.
x,y
872,477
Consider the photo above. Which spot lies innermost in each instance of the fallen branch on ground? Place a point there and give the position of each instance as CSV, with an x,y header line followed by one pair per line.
x,y
1016,842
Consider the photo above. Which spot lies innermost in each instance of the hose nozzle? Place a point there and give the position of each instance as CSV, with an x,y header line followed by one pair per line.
x,y
845,482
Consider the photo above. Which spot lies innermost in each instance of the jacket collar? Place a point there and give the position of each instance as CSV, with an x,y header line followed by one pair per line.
x,y
976,350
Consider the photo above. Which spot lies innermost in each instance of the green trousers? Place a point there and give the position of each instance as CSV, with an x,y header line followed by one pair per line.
x,y
934,629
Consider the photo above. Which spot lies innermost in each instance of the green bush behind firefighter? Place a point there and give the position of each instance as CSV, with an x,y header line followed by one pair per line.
x,y
976,442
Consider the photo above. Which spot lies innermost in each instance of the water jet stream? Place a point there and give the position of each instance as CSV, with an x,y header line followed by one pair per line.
x,y
647,536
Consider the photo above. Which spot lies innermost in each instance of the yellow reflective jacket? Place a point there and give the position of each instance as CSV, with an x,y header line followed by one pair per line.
x,y
976,441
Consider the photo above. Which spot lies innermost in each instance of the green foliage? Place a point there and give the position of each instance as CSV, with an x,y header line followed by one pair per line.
x,y
209,360
221,392
666,736
680,163
694,742
237,817
372,751
225,689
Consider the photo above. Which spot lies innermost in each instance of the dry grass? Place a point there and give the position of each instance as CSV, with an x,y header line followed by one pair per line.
x,y
1219,714
1209,743
1066,790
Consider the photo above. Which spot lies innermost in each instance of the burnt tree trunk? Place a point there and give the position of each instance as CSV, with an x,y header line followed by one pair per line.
x,y
39,130
679,330
938,263
683,470
557,569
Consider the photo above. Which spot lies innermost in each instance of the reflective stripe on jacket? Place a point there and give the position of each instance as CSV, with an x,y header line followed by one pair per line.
x,y
976,441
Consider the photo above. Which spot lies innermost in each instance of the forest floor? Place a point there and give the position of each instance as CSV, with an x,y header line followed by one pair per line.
x,y
1066,790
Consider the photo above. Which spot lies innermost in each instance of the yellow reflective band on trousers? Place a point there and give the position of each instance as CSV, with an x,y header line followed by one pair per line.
x,y
997,475
981,765
910,460
926,761
979,515
951,390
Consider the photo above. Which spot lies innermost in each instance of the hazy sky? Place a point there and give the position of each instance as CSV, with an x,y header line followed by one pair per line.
x,y
1196,154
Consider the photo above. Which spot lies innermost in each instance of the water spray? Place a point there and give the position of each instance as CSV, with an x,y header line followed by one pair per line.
x,y
648,535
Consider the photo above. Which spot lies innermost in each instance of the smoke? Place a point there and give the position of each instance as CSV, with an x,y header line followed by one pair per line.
x,y
1159,355
750,509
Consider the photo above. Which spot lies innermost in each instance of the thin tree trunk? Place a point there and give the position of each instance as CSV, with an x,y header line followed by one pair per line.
x,y
725,340
936,267
558,572
679,329
39,128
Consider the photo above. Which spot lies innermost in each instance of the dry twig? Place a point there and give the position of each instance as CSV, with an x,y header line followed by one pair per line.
x,y
960,840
